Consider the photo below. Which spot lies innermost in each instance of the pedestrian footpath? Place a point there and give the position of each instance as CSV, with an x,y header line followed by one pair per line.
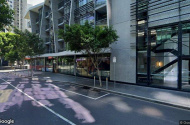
x,y
162,96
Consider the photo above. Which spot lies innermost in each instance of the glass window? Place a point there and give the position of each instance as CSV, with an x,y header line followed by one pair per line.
x,y
86,68
186,39
66,65
164,56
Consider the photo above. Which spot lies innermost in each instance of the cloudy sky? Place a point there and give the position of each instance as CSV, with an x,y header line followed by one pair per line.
x,y
34,2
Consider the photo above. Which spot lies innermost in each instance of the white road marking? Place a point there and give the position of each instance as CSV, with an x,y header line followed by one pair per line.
x,y
74,92
79,93
102,96
58,115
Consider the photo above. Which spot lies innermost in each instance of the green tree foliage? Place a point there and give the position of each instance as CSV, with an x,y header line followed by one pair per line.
x,y
9,46
30,44
89,40
16,46
6,14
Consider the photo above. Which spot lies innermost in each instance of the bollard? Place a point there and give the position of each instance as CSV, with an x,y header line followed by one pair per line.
x,y
107,83
94,81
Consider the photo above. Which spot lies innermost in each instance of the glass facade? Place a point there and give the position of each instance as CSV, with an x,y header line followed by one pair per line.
x,y
66,65
49,64
163,52
83,2
40,64
86,68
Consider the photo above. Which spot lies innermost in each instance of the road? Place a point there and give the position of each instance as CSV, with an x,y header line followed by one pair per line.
x,y
36,102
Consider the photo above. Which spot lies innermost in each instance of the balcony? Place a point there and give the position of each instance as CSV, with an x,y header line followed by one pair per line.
x,y
47,28
61,50
62,4
49,51
37,21
102,22
48,41
47,15
60,40
61,21
100,3
37,32
86,9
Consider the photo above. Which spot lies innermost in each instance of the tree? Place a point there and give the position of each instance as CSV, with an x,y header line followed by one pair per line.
x,y
6,14
9,46
30,45
89,40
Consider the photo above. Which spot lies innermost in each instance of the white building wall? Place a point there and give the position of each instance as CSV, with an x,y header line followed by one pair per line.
x,y
126,60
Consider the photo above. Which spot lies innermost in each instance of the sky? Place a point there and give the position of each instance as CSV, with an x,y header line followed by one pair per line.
x,y
34,2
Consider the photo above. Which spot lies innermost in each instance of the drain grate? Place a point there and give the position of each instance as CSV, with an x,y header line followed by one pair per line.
x,y
86,87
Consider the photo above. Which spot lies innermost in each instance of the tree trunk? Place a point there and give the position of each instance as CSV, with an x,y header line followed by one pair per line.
x,y
99,75
31,68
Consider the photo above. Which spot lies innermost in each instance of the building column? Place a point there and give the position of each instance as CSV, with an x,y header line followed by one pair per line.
x,y
179,55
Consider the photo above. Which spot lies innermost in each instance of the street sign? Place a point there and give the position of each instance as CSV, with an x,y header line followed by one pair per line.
x,y
114,59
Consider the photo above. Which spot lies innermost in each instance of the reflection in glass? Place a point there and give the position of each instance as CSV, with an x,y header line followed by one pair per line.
x,y
164,71
86,68
66,65
164,56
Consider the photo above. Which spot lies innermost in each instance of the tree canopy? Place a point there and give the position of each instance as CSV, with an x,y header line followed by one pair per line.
x,y
9,46
89,40
30,44
6,14
16,46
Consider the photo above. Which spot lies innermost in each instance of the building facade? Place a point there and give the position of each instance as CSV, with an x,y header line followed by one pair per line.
x,y
153,45
20,7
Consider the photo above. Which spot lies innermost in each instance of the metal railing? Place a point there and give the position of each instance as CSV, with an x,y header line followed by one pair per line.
x,y
37,31
49,51
102,22
81,11
100,2
47,14
61,50
37,20
60,20
64,3
47,27
61,4
48,40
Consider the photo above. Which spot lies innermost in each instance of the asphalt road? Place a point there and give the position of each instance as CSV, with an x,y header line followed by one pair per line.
x,y
36,102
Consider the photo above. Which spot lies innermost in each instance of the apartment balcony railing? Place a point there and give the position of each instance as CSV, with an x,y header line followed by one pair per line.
x,y
61,50
47,14
60,20
61,4
64,19
64,3
49,51
47,28
102,22
37,31
84,10
37,21
60,40
48,40
100,2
